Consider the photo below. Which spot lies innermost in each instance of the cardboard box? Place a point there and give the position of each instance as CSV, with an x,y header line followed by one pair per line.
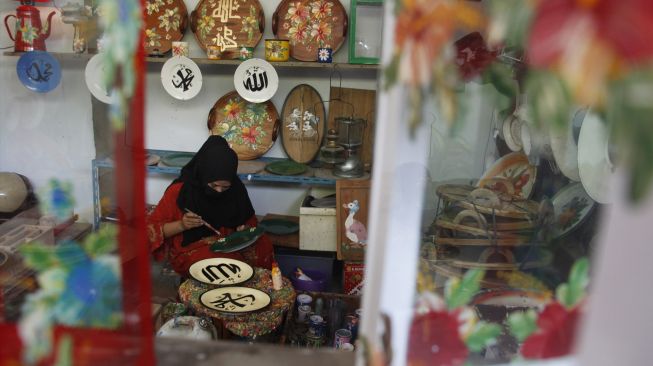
x,y
317,228
353,278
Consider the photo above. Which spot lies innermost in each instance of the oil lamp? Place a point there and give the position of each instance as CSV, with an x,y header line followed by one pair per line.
x,y
350,137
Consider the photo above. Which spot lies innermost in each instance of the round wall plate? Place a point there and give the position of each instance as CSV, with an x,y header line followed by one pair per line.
x,y
234,299
181,78
94,76
221,271
256,80
38,71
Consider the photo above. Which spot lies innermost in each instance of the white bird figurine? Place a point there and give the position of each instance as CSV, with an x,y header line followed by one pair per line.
x,y
299,274
354,229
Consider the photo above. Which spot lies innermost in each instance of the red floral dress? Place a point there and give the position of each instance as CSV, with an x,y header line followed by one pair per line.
x,y
260,254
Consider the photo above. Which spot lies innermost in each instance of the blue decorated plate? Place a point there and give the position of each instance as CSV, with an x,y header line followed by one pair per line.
x,y
38,71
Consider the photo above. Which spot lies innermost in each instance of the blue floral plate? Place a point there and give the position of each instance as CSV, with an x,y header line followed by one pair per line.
x,y
38,71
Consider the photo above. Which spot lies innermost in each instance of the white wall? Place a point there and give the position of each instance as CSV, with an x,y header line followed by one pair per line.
x,y
51,135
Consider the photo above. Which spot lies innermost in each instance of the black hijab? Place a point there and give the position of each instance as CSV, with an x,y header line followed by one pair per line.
x,y
215,160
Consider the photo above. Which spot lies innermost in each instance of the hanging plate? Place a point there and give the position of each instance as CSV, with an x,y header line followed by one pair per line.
x,y
571,206
38,71
236,241
564,146
594,162
94,76
165,22
285,167
256,80
250,128
516,169
303,123
228,24
309,25
235,299
221,271
181,77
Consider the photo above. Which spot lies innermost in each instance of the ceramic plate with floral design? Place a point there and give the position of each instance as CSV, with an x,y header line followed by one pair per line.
x,y
571,206
310,25
249,128
221,271
516,169
228,24
165,22
235,299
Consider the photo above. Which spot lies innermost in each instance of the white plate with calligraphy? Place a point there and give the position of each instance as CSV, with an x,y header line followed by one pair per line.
x,y
181,77
234,299
221,271
256,80
94,76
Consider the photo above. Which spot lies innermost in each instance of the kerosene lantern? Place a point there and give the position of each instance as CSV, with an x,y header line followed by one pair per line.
x,y
332,153
350,136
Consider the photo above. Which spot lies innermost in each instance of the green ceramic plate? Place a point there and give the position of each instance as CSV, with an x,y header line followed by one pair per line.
x,y
177,160
279,226
237,240
285,167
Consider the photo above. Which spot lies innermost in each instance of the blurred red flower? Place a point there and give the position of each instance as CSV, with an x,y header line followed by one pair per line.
x,y
555,335
434,340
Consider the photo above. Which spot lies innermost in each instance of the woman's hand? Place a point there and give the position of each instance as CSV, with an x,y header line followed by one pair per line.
x,y
190,221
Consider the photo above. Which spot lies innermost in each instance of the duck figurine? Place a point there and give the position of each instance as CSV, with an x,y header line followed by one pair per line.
x,y
354,229
299,274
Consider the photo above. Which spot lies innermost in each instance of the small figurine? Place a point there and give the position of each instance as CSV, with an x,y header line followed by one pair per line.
x,y
299,274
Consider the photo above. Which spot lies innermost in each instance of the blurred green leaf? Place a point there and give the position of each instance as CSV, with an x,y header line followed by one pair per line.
x,y
513,17
70,254
103,241
501,77
460,292
39,257
482,336
391,71
549,99
522,324
572,292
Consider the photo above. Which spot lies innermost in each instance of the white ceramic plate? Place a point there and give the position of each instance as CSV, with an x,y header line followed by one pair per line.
x,y
511,129
594,165
235,299
256,80
564,146
181,78
571,205
94,75
152,159
221,271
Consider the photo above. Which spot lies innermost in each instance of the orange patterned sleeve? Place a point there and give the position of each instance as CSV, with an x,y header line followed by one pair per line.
x,y
165,211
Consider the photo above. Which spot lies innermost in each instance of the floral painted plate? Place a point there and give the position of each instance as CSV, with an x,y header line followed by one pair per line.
x,y
516,169
228,24
237,241
234,299
571,206
309,25
221,271
165,22
285,167
177,160
249,128
38,71
279,226
181,77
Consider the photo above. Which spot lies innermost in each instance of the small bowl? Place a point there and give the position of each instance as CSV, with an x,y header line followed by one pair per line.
x,y
319,283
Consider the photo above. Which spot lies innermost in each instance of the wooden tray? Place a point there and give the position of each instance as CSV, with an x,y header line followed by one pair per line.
x,y
165,22
294,20
481,232
304,123
511,206
250,128
228,24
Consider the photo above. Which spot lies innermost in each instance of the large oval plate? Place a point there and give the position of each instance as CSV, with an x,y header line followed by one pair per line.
x,y
181,77
234,299
256,80
94,76
165,22
571,206
237,240
249,128
516,169
38,71
221,271
304,122
594,164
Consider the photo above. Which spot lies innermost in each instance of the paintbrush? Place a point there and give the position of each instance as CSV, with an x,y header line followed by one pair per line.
x,y
204,222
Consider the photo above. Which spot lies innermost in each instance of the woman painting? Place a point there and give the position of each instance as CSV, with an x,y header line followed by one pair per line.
x,y
207,190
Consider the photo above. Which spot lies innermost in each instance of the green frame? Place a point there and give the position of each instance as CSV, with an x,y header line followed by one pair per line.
x,y
353,59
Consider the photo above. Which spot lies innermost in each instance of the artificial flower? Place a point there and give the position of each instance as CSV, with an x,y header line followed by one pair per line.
x,y
556,332
434,340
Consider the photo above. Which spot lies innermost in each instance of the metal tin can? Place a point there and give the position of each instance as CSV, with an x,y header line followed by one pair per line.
x,y
303,299
351,323
277,49
302,312
314,341
316,325
180,49
213,52
245,53
342,336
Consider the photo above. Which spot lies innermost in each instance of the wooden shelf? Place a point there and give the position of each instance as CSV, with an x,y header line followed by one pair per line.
x,y
63,56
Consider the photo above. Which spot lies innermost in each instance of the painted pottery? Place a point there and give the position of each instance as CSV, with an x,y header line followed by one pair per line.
x,y
303,124
165,23
30,34
277,50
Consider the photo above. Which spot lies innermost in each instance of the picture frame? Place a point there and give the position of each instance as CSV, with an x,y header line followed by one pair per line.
x,y
352,206
365,31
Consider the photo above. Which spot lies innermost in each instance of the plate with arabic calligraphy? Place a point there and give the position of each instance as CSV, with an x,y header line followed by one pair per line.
x,y
249,128
221,271
165,22
181,78
38,71
228,24
256,80
514,168
309,25
234,299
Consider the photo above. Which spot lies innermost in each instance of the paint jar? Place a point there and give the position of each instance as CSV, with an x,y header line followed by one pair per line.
x,y
325,55
303,313
277,50
351,323
341,337
303,299
316,325
314,341
245,53
213,52
180,49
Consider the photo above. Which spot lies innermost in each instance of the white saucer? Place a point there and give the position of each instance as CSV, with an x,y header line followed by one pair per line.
x,y
594,165
564,146
181,78
94,75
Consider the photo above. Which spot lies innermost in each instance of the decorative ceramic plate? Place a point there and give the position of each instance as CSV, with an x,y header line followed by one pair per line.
x,y
309,25
181,77
250,128
237,241
221,271
571,206
256,80
508,206
594,164
565,147
516,168
228,24
177,159
165,22
279,226
94,75
285,167
152,159
511,129
304,123
38,71
235,299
